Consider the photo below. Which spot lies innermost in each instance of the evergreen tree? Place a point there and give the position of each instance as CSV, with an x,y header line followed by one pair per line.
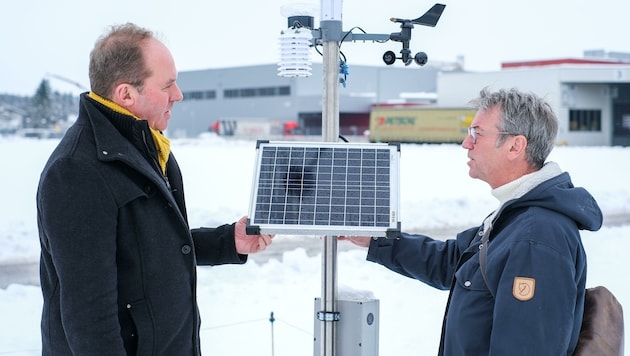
x,y
41,113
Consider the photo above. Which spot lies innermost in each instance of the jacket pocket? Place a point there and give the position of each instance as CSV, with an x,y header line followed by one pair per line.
x,y
468,277
137,328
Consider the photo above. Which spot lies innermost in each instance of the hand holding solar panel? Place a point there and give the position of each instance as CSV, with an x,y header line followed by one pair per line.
x,y
248,244
362,241
325,189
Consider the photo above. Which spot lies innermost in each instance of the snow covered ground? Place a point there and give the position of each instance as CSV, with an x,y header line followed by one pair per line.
x,y
236,301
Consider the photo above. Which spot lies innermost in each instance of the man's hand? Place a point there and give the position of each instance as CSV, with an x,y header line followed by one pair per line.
x,y
246,244
363,241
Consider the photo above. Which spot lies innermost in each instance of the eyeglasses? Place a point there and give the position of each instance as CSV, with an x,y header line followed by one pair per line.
x,y
472,131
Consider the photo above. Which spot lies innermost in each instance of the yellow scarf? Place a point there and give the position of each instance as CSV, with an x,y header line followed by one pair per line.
x,y
162,143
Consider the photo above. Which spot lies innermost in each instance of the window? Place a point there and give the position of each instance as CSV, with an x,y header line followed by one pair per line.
x,y
266,91
238,93
585,120
200,95
230,93
194,95
256,92
284,91
247,93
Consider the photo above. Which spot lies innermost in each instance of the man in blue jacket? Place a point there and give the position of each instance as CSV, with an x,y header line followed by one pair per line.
x,y
531,299
118,259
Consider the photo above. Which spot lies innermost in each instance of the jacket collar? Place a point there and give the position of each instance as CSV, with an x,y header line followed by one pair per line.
x,y
162,144
118,137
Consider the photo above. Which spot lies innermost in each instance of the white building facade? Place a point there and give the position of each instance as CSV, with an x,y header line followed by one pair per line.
x,y
592,101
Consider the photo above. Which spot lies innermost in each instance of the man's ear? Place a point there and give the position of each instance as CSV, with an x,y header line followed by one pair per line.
x,y
124,95
517,147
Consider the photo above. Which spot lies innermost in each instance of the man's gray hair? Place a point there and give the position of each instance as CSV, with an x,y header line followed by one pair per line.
x,y
524,114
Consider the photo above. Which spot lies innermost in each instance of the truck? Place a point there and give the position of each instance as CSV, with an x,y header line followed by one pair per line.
x,y
419,123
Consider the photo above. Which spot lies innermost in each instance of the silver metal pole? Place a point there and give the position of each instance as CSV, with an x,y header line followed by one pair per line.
x,y
331,34
330,133
330,96
331,28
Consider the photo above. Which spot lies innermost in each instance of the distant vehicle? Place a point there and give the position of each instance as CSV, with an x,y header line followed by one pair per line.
x,y
40,133
256,128
419,124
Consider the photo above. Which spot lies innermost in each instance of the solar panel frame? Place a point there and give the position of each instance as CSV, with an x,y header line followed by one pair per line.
x,y
325,188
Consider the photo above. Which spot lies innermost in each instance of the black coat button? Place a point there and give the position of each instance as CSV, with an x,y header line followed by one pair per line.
x,y
186,249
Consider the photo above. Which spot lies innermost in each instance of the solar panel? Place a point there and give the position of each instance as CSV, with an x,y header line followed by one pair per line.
x,y
325,188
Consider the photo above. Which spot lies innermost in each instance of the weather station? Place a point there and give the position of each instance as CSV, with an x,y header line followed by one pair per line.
x,y
332,188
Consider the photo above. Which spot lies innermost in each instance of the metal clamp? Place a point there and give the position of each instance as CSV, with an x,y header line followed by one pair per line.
x,y
328,316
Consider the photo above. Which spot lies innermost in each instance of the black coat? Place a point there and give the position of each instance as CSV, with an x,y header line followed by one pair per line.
x,y
118,259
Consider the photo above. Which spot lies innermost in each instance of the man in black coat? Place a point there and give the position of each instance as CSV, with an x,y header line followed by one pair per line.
x,y
118,259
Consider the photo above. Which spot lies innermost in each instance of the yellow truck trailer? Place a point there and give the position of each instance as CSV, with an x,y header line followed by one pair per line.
x,y
422,124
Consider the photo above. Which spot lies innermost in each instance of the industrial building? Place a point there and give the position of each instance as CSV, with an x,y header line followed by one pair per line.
x,y
590,96
257,93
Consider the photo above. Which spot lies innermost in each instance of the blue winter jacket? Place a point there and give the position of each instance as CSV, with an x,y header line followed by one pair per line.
x,y
536,267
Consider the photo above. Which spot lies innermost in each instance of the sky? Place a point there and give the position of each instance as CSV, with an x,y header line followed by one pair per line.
x,y
52,39
236,301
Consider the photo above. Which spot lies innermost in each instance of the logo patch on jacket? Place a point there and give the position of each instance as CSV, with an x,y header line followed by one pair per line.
x,y
523,288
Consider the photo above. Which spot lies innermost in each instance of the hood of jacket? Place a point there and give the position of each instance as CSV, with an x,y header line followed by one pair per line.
x,y
558,194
